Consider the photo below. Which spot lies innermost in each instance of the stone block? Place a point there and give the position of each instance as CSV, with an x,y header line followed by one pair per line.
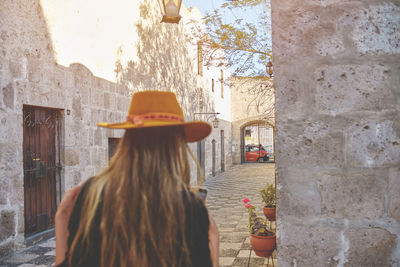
x,y
97,97
7,224
77,107
394,195
306,203
35,70
370,247
76,177
6,248
348,88
83,77
71,157
58,78
358,195
373,143
311,143
292,95
11,130
21,218
308,246
287,34
16,195
106,100
123,103
4,189
18,68
98,136
376,29
8,93
8,155
330,44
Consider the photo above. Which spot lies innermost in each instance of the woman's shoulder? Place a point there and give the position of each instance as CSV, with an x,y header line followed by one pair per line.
x,y
195,207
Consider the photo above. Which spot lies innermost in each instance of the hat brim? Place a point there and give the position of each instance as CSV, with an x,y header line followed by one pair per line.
x,y
194,130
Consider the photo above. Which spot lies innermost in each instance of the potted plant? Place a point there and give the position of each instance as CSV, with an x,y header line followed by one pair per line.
x,y
268,196
262,240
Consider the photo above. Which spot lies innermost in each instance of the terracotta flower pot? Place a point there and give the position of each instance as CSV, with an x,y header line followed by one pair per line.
x,y
270,213
263,246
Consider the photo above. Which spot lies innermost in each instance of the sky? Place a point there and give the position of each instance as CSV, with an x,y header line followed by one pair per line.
x,y
209,5
250,15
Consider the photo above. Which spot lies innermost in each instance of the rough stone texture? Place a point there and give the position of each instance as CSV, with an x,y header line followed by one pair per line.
x,y
8,96
394,196
6,248
376,29
373,143
353,195
370,247
308,203
337,83
320,244
349,88
310,142
7,224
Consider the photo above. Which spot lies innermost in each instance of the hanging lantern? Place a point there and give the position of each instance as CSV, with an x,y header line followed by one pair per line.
x,y
215,122
269,68
170,11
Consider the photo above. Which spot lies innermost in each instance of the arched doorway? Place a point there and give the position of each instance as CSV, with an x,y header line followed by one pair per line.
x,y
257,142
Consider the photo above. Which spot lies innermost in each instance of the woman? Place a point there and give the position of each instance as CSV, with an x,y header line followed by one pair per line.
x,y
140,210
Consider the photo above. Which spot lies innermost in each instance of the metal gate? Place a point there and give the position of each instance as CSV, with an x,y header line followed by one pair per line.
x,y
40,145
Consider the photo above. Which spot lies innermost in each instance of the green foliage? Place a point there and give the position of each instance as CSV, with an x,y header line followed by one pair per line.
x,y
247,45
268,196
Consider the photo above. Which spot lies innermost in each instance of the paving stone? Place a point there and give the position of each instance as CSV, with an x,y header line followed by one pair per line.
x,y
224,201
244,253
20,258
50,243
226,261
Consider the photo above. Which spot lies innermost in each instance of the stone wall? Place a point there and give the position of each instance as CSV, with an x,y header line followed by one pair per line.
x,y
252,102
336,66
31,75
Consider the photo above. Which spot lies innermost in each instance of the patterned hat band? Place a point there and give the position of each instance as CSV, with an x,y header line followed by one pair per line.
x,y
139,119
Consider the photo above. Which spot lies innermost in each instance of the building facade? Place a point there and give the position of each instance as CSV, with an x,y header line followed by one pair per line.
x,y
253,114
64,66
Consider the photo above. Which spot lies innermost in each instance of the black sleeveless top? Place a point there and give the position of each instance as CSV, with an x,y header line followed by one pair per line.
x,y
196,228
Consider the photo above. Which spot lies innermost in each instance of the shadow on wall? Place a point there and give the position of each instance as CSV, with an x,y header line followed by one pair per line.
x,y
163,60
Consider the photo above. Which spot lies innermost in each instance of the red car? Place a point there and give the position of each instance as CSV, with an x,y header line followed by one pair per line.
x,y
256,153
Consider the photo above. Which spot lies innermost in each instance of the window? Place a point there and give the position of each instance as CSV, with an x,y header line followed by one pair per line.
x,y
199,59
222,83
212,85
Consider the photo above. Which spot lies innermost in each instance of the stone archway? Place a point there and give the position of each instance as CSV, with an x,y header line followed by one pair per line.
x,y
256,135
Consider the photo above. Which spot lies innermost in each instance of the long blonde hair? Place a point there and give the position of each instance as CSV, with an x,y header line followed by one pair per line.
x,y
140,196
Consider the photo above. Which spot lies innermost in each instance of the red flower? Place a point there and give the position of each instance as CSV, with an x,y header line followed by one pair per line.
x,y
247,205
246,200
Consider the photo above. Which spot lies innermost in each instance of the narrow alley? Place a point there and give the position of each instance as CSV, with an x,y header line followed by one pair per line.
x,y
224,201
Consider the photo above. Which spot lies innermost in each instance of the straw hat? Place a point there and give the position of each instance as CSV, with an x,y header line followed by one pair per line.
x,y
159,109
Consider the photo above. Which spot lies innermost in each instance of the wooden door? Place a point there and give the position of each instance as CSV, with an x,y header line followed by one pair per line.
x,y
222,151
40,168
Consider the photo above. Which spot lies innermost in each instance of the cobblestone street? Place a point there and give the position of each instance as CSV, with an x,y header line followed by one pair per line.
x,y
225,194
224,201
